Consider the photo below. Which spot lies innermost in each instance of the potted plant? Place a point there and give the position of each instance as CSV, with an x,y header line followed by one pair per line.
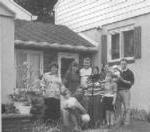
x,y
20,95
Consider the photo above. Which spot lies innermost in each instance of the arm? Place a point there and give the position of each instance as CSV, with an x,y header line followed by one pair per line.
x,y
115,93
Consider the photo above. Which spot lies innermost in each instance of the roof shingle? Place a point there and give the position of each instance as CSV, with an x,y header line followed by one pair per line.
x,y
49,33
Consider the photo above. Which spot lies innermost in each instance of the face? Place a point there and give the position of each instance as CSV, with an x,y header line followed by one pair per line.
x,y
108,77
86,63
54,70
123,65
75,68
106,68
95,71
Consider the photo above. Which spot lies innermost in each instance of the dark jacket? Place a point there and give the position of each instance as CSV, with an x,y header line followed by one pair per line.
x,y
126,75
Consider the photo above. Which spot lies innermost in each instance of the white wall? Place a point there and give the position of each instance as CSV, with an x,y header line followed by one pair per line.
x,y
141,67
21,13
81,15
7,57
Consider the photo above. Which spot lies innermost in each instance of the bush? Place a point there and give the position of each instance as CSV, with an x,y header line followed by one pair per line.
x,y
141,115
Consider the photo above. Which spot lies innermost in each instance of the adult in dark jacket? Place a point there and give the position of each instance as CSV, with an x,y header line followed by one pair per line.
x,y
125,82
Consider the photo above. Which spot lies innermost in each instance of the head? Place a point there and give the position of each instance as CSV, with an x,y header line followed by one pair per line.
x,y
54,68
123,63
75,66
95,70
86,62
109,76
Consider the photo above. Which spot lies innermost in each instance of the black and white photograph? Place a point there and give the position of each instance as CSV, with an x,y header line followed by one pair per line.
x,y
75,65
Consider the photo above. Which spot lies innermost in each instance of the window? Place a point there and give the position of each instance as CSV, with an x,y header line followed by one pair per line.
x,y
121,44
128,43
28,67
115,50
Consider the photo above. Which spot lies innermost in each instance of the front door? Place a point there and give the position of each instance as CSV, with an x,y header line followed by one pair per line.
x,y
64,61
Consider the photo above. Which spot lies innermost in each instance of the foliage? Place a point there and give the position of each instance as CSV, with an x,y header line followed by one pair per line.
x,y
42,8
21,94
41,126
139,115
9,108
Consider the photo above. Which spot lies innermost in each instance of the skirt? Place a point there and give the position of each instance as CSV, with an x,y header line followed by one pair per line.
x,y
107,101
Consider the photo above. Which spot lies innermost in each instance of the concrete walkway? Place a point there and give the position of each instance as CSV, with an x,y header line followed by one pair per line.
x,y
135,126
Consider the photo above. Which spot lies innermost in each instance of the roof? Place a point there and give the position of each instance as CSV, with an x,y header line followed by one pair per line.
x,y
7,8
38,34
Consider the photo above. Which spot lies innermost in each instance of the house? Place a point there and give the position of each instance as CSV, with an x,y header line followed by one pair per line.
x,y
20,12
121,29
40,44
7,51
36,44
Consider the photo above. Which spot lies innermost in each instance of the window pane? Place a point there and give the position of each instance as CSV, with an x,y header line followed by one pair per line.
x,y
115,49
21,58
128,43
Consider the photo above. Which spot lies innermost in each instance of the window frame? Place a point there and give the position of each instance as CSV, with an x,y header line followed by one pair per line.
x,y
121,43
29,53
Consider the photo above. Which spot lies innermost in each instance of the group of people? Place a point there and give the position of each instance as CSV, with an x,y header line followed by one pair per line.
x,y
66,95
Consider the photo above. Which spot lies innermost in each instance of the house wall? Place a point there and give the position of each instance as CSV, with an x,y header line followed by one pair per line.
x,y
81,15
21,13
7,57
141,90
95,34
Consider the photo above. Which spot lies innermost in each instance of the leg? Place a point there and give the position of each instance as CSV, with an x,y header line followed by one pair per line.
x,y
125,95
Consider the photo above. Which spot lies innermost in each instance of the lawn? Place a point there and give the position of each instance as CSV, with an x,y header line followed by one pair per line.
x,y
135,126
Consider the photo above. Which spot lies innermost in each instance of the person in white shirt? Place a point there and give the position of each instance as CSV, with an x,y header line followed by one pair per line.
x,y
85,72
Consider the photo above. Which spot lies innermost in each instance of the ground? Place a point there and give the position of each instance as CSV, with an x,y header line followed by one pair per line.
x,y
135,126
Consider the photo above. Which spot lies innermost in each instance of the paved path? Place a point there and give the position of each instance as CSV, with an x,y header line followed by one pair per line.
x,y
135,126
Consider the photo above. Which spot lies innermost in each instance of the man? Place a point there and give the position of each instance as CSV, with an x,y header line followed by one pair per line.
x,y
126,80
85,72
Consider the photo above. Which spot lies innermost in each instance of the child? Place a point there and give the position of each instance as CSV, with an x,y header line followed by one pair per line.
x,y
72,110
109,98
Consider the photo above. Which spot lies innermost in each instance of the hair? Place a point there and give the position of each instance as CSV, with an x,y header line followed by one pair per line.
x,y
123,59
96,67
103,67
53,65
86,59
74,63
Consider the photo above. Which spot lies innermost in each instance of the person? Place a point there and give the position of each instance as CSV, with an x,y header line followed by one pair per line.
x,y
104,70
95,106
85,72
125,82
72,78
52,87
109,98
95,76
71,109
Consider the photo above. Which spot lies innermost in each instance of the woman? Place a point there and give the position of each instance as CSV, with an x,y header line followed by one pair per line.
x,y
52,87
94,100
72,78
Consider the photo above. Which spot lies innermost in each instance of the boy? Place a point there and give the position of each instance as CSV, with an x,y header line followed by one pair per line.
x,y
72,110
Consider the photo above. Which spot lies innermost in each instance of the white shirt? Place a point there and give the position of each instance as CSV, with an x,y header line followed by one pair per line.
x,y
84,74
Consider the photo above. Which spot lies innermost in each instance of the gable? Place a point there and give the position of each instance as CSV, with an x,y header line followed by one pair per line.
x,y
5,11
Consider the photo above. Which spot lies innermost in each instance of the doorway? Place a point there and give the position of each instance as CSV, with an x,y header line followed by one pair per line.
x,y
64,61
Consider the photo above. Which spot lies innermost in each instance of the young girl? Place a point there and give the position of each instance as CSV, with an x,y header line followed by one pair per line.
x,y
109,98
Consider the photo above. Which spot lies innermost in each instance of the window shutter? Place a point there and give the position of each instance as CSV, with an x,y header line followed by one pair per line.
x,y
137,42
104,49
